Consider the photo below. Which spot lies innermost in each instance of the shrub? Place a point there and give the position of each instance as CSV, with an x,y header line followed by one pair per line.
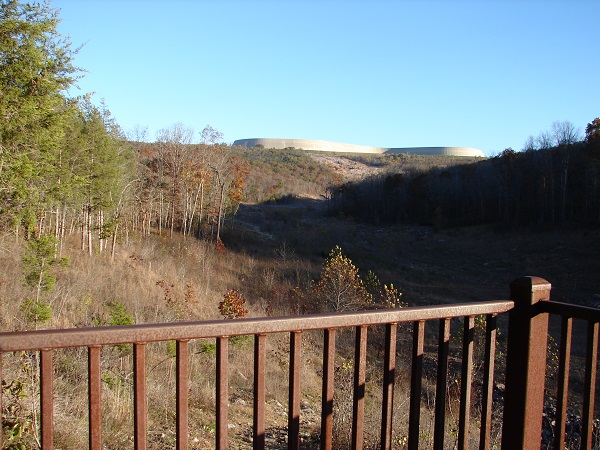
x,y
340,287
210,348
233,305
171,349
36,312
119,315
40,256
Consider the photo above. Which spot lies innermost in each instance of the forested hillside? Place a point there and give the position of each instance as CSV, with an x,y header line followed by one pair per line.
x,y
555,181
66,167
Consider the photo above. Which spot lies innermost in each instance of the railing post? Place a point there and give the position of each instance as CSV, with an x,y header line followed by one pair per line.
x,y
525,365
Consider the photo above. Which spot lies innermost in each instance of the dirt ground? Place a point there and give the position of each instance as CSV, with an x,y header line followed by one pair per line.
x,y
451,265
349,169
435,266
430,266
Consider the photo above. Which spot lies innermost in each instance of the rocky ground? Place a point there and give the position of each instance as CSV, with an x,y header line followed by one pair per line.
x,y
350,170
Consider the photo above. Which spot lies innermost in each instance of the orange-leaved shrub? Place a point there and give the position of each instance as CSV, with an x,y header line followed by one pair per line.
x,y
233,305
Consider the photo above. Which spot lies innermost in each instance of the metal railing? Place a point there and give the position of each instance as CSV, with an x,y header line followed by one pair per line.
x,y
523,399
527,359
591,318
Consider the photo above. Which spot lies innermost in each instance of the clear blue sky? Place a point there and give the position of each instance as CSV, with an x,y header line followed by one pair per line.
x,y
484,74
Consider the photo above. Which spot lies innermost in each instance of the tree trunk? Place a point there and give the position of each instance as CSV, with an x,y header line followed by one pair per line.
x,y
563,201
89,231
61,234
194,206
83,233
172,218
56,223
101,240
201,212
221,200
160,210
114,244
39,284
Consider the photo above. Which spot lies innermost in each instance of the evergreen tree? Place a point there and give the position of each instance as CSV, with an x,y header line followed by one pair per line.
x,y
35,69
39,258
103,170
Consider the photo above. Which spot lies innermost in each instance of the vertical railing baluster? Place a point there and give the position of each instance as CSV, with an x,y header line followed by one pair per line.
x,y
389,376
258,426
328,388
222,392
1,405
94,401
415,384
294,390
46,399
442,384
591,359
487,390
182,385
465,384
360,371
562,391
140,421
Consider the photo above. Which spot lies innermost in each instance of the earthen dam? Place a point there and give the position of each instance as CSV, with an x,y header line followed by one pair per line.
x,y
327,146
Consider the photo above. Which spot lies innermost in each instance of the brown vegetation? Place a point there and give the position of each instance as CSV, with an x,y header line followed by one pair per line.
x,y
271,254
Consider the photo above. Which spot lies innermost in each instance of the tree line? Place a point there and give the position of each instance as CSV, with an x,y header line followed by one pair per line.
x,y
187,188
66,166
554,181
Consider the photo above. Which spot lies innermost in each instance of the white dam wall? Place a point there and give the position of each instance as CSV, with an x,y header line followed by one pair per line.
x,y
327,146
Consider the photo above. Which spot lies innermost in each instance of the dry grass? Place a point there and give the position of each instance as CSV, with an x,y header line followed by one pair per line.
x,y
165,280
155,280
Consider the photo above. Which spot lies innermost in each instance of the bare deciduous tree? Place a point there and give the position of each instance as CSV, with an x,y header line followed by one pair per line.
x,y
211,136
544,140
564,133
174,150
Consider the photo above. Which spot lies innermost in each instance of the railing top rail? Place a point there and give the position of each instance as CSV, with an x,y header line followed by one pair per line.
x,y
90,337
570,310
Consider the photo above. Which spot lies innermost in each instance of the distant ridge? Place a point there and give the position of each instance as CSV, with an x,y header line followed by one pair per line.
x,y
327,146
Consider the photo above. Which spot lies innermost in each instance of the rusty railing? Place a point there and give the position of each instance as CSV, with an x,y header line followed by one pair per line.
x,y
528,312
